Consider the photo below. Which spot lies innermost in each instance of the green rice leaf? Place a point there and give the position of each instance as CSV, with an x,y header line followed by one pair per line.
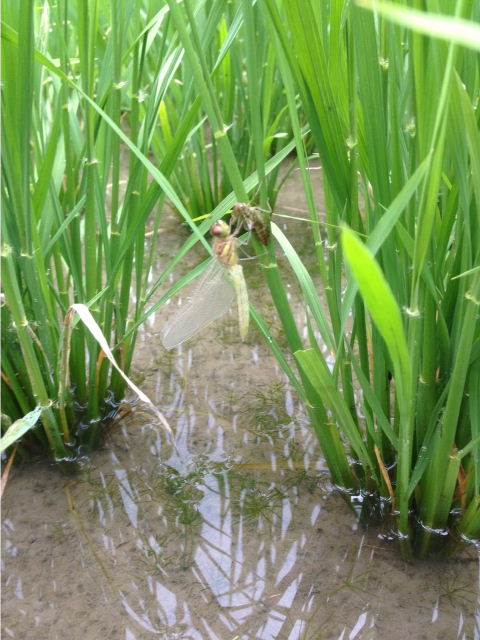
x,y
455,30
316,370
381,305
19,428
385,226
308,287
89,321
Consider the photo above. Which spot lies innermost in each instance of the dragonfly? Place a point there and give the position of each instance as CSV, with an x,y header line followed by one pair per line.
x,y
221,283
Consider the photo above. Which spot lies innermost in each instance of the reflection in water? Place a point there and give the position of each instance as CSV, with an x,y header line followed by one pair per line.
x,y
231,532
239,557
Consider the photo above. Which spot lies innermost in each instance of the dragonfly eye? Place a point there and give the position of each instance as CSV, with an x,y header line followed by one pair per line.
x,y
220,229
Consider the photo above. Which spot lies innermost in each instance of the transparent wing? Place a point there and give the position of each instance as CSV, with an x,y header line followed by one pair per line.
x,y
212,297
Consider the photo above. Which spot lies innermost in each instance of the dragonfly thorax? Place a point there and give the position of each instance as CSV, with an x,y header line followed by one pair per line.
x,y
224,246
226,251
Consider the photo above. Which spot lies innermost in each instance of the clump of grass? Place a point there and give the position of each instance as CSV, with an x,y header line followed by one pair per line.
x,y
200,177
394,118
75,209
85,88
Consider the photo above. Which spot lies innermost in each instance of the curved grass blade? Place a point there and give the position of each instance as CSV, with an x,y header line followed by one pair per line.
x,y
308,287
382,306
316,370
19,428
89,321
453,29
384,227
277,351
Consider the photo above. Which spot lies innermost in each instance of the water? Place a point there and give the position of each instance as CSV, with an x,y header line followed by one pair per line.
x,y
230,532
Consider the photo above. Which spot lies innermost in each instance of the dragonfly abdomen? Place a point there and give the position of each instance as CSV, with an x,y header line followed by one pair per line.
x,y
238,279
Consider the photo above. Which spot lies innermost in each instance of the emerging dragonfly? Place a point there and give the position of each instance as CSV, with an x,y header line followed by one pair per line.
x,y
214,294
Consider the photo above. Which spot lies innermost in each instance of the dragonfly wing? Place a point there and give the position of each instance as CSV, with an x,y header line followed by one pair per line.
x,y
212,297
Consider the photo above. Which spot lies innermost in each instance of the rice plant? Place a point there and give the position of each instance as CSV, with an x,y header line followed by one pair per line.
x,y
394,117
61,244
199,177
203,101
83,86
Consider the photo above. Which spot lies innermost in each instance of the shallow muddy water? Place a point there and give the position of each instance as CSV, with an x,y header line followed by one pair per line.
x,y
229,532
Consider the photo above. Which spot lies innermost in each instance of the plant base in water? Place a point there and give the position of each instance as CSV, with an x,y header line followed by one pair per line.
x,y
374,511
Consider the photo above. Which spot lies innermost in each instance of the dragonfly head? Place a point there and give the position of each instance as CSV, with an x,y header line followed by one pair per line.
x,y
220,229
241,209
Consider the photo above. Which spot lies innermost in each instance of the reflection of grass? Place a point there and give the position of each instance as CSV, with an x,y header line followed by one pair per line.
x,y
454,590
105,490
257,503
183,492
154,556
265,412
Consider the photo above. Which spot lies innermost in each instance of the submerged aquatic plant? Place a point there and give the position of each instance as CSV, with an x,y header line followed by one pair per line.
x,y
264,412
